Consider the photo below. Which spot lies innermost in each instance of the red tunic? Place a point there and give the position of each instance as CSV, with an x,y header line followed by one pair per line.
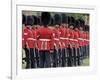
x,y
81,39
34,31
71,38
84,43
63,33
45,39
76,36
87,38
23,40
24,36
67,37
30,39
56,38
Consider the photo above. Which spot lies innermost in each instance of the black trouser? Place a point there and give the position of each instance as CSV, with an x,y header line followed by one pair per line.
x,y
81,54
88,51
60,57
27,58
55,58
69,61
78,56
37,57
63,57
45,60
66,52
74,56
33,58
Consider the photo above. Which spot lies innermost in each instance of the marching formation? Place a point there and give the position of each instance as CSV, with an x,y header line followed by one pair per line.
x,y
54,41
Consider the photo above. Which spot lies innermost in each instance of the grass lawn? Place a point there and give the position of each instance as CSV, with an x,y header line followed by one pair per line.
x,y
85,62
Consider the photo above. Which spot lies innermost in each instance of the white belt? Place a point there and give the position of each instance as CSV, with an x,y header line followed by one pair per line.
x,y
73,39
25,33
86,39
44,39
62,38
56,39
80,39
67,38
31,39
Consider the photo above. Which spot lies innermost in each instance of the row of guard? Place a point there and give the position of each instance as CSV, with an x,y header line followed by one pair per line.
x,y
58,41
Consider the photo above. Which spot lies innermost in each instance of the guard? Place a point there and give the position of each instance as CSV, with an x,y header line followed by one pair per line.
x,y
45,40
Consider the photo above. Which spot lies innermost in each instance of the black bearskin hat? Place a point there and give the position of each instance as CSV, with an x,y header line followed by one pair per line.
x,y
86,27
29,20
57,19
34,20
64,18
82,22
52,21
77,23
23,19
38,20
45,18
71,21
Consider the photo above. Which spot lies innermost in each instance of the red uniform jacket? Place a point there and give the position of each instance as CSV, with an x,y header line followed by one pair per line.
x,y
30,39
81,39
71,38
45,39
67,37
24,36
57,38
87,38
23,40
84,35
63,33
76,36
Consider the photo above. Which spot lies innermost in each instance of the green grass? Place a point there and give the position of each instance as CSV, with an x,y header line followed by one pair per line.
x,y
85,62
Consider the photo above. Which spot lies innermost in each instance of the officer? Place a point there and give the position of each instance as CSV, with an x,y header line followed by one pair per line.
x,y
31,42
45,40
57,44
76,46
83,36
83,46
64,38
35,27
23,40
56,47
25,32
67,38
81,41
71,42
23,25
53,52
87,40
55,55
